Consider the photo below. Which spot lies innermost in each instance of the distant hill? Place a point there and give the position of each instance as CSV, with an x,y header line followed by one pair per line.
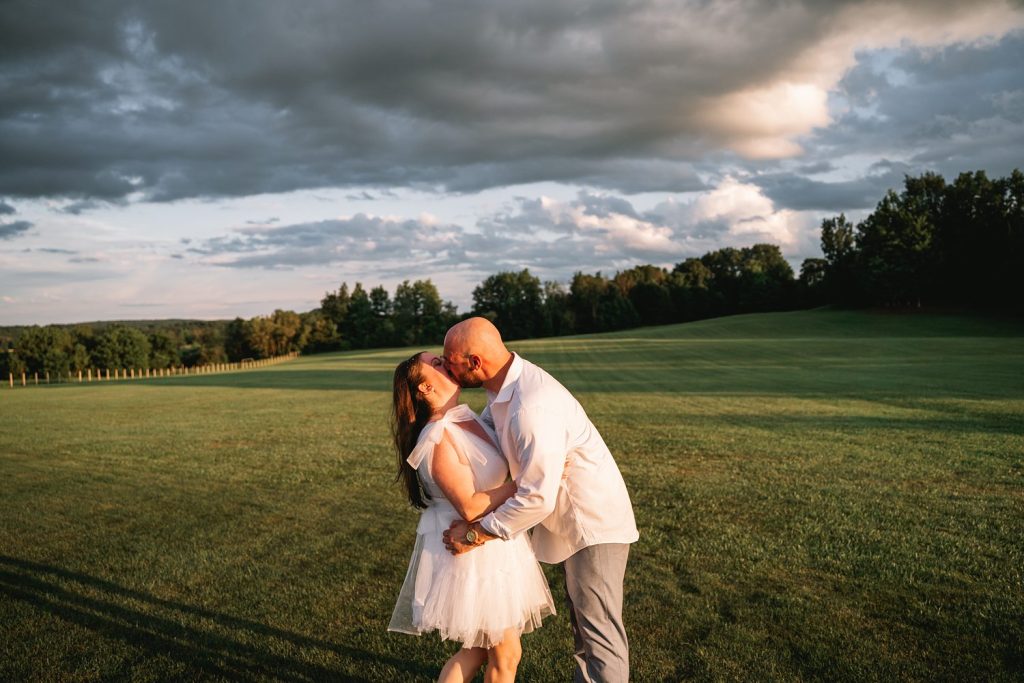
x,y
144,325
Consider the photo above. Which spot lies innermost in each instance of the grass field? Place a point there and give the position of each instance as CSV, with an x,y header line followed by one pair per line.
x,y
821,496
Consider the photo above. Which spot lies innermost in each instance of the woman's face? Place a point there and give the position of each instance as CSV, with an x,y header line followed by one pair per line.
x,y
435,375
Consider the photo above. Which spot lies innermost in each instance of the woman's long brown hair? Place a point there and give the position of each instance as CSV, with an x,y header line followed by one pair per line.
x,y
409,414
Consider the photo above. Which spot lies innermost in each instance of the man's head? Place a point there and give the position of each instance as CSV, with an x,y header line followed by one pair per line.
x,y
474,352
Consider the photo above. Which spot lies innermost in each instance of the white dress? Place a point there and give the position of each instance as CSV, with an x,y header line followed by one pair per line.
x,y
473,597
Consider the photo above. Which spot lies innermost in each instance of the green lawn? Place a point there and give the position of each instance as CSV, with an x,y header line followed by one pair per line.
x,y
821,496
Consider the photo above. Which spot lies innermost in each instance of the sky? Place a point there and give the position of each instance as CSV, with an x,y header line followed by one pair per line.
x,y
213,160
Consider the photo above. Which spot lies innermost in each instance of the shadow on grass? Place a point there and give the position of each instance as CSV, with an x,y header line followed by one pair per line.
x,y
870,424
231,648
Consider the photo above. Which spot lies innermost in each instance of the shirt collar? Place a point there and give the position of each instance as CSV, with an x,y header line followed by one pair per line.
x,y
508,387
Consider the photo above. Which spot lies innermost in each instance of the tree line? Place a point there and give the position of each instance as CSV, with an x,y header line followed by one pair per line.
x,y
933,243
58,350
721,282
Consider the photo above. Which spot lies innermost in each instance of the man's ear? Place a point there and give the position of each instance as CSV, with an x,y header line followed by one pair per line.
x,y
474,362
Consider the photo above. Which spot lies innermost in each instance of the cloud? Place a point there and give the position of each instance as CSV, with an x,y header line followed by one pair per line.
x,y
53,250
950,110
115,100
358,238
798,192
737,213
552,237
14,229
6,209
592,229
79,207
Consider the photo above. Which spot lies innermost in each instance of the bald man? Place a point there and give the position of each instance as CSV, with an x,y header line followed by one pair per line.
x,y
570,491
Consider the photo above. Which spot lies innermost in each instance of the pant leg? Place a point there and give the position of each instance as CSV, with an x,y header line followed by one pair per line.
x,y
579,650
593,582
579,654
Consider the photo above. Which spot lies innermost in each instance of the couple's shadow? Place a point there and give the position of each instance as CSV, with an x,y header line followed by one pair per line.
x,y
229,648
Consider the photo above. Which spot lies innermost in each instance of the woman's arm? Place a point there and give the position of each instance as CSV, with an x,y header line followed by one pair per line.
x,y
455,479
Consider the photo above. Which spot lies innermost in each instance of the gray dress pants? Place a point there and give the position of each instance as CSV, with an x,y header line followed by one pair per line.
x,y
593,582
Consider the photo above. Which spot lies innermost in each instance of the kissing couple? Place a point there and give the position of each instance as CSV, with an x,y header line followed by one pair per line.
x,y
529,479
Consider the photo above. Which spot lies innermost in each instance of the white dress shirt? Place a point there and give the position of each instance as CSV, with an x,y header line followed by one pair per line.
x,y
544,432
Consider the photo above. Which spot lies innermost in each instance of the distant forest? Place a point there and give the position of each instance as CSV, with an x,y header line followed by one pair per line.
x,y
933,244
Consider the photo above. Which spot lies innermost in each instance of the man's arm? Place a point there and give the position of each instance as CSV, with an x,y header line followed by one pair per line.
x,y
539,439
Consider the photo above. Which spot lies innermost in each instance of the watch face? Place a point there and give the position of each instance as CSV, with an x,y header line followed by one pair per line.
x,y
471,536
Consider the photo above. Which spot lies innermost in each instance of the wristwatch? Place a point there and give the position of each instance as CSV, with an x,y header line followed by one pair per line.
x,y
472,536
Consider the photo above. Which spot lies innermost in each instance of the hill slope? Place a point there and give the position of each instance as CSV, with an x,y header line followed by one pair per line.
x,y
821,495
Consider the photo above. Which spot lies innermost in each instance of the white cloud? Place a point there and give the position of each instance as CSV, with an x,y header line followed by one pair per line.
x,y
616,233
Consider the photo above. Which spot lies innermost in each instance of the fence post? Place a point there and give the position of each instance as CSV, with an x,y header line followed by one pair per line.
x,y
35,376
79,376
23,379
10,378
47,376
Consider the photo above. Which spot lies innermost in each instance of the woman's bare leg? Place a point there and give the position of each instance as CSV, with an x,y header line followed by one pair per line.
x,y
503,659
462,666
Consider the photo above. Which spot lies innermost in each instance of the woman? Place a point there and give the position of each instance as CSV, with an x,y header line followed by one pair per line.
x,y
448,461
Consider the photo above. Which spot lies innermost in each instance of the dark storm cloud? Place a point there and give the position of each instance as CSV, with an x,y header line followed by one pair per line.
x,y
81,206
800,193
109,100
6,209
14,229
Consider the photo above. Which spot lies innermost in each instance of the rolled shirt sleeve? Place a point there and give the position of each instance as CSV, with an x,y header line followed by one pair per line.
x,y
540,440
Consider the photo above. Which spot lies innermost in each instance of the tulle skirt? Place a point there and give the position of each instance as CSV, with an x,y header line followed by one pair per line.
x,y
474,597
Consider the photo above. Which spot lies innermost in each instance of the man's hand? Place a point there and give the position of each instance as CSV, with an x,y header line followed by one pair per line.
x,y
455,537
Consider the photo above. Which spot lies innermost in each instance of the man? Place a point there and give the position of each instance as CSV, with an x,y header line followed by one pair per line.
x,y
570,491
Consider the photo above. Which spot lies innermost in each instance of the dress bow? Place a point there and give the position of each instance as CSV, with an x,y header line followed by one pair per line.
x,y
434,431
